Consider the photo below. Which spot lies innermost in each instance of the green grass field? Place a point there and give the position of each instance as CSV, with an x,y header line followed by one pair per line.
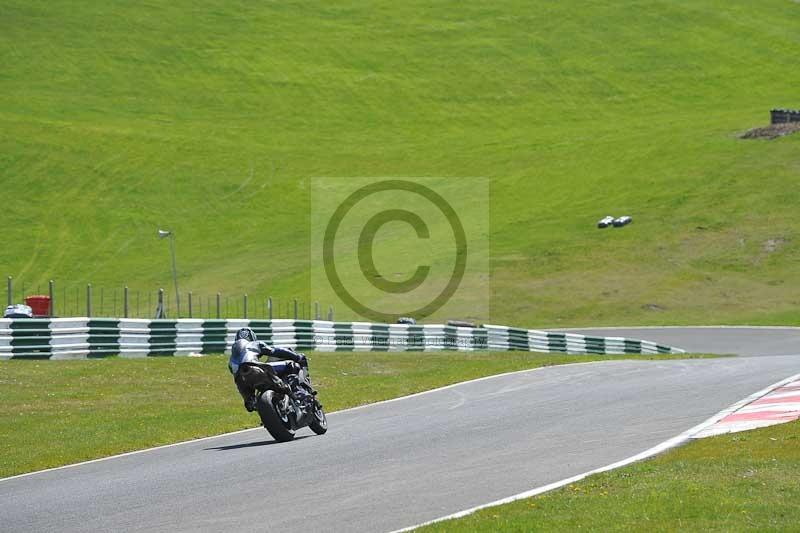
x,y
740,482
212,117
54,413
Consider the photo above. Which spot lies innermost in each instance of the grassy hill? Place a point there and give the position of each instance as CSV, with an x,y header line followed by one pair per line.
x,y
210,117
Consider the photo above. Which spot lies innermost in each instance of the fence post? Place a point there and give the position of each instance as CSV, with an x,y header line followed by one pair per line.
x,y
125,302
160,305
218,305
245,305
330,313
52,306
89,300
10,291
190,304
269,307
295,308
316,311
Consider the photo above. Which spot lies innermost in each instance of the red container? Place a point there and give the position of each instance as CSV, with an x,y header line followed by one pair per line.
x,y
39,304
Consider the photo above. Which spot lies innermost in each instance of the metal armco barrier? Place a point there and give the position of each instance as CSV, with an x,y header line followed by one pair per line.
x,y
81,338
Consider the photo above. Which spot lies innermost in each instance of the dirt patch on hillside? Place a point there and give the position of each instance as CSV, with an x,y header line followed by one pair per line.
x,y
773,245
773,131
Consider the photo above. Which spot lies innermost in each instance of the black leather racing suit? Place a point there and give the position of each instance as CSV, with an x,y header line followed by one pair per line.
x,y
289,365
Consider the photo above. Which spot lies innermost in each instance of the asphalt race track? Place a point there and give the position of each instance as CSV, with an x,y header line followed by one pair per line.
x,y
742,340
396,464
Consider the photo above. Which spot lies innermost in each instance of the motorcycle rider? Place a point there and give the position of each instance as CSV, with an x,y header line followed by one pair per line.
x,y
289,365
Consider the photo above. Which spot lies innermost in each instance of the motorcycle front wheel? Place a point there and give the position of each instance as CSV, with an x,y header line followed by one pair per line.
x,y
274,416
319,422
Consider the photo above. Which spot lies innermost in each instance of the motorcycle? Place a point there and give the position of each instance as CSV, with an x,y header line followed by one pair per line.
x,y
281,412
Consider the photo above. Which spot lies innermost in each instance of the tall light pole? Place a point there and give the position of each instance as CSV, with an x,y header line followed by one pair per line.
x,y
161,235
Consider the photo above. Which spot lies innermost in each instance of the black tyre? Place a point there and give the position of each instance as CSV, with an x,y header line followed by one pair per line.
x,y
319,422
274,418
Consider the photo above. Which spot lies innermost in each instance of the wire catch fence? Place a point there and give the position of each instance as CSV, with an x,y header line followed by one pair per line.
x,y
57,300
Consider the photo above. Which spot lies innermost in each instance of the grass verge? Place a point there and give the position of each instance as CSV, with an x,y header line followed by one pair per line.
x,y
54,413
738,482
116,117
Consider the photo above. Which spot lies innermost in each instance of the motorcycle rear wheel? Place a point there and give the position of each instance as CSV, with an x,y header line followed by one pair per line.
x,y
275,420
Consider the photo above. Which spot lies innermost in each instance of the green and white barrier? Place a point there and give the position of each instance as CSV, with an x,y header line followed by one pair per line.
x,y
80,338
506,338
